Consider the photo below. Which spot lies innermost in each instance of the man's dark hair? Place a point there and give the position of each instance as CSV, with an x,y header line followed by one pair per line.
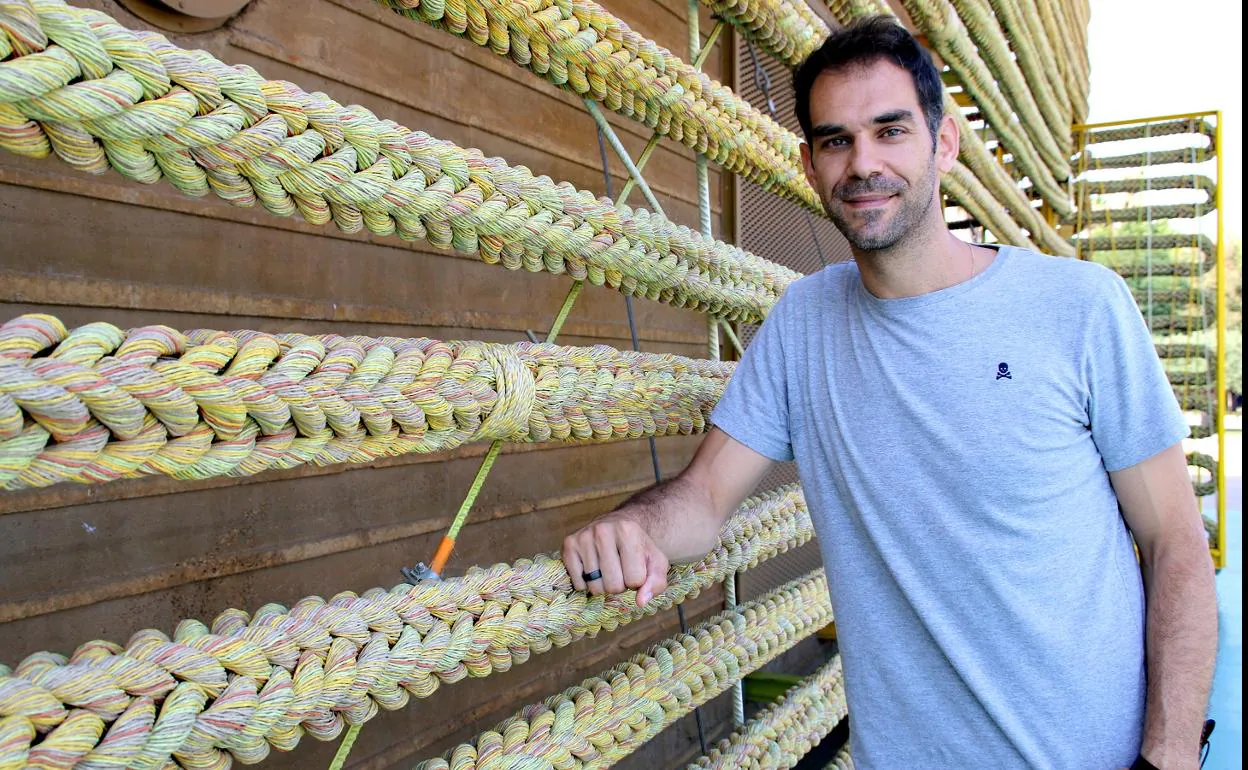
x,y
863,42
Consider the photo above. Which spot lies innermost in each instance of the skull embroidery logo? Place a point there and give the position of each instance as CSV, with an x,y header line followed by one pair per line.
x,y
1003,370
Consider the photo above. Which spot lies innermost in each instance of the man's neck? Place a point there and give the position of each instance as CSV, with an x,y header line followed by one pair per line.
x,y
921,265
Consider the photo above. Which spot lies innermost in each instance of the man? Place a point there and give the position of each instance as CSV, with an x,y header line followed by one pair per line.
x,y
979,432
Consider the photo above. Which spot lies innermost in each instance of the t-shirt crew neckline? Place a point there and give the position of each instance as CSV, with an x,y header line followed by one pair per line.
x,y
903,304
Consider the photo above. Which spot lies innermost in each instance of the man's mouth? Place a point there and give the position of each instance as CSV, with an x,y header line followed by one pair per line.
x,y
867,201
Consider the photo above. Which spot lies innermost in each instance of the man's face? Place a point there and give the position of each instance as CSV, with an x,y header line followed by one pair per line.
x,y
871,156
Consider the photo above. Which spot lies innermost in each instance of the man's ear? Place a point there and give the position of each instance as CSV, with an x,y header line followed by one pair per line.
x,y
948,144
808,165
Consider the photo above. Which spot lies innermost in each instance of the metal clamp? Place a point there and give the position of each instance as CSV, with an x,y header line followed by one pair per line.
x,y
421,573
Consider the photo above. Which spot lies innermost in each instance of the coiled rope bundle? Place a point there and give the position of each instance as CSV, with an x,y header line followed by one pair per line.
x,y
607,717
98,404
247,683
78,84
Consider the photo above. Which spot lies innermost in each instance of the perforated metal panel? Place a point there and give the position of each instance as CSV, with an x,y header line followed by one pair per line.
x,y
786,233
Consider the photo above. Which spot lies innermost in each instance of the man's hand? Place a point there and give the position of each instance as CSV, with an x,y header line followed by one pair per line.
x,y
678,520
623,552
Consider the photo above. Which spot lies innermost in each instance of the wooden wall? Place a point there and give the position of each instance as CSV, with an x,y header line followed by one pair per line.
x,y
79,563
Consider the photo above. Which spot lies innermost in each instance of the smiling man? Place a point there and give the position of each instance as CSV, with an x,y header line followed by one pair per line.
x,y
983,434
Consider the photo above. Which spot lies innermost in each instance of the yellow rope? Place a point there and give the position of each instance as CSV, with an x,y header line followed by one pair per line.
x,y
1197,126
1045,165
842,761
1198,250
247,683
1004,191
1139,185
97,404
607,717
845,11
1069,51
784,732
962,185
1024,35
581,47
99,95
786,29
1044,120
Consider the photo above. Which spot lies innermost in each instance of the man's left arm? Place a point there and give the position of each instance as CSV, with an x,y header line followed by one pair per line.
x,y
1182,615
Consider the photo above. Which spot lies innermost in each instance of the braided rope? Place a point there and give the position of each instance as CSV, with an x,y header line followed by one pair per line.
x,y
845,11
607,717
249,683
1103,249
784,732
579,46
964,187
1026,38
940,22
1151,184
1197,126
97,404
99,95
842,761
1200,460
1142,213
1003,189
1151,158
1045,121
786,29
1186,349
1067,50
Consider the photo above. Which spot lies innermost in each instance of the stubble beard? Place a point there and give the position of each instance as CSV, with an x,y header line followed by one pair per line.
x,y
867,235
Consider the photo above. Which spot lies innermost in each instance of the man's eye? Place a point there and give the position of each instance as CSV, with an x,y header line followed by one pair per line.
x,y
894,131
836,141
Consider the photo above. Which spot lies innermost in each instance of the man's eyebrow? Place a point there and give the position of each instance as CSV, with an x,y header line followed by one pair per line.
x,y
896,116
827,129
833,129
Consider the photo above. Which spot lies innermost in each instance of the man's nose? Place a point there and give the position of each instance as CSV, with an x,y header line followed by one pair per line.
x,y
864,161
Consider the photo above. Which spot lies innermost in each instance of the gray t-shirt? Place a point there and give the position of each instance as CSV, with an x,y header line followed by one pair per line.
x,y
954,450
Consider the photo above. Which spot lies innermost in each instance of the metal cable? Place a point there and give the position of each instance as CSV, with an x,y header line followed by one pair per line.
x,y
654,452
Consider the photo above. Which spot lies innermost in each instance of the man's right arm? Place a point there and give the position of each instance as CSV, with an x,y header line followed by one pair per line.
x,y
678,520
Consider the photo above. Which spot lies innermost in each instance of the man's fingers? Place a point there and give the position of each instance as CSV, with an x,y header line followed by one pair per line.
x,y
572,562
590,563
656,576
633,557
609,558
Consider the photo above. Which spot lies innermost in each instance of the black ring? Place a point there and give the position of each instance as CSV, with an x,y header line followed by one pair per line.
x,y
590,577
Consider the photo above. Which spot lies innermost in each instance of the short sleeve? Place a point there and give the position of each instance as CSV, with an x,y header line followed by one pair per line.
x,y
1131,405
754,409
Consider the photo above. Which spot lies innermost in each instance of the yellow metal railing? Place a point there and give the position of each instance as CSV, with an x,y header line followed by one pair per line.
x,y
1085,192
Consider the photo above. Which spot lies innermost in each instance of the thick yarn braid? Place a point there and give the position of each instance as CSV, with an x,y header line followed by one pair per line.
x,y
97,404
786,29
248,683
843,760
607,717
74,82
784,732
580,46
948,35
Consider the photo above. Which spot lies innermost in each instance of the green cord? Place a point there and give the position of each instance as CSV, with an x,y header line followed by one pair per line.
x,y
344,750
